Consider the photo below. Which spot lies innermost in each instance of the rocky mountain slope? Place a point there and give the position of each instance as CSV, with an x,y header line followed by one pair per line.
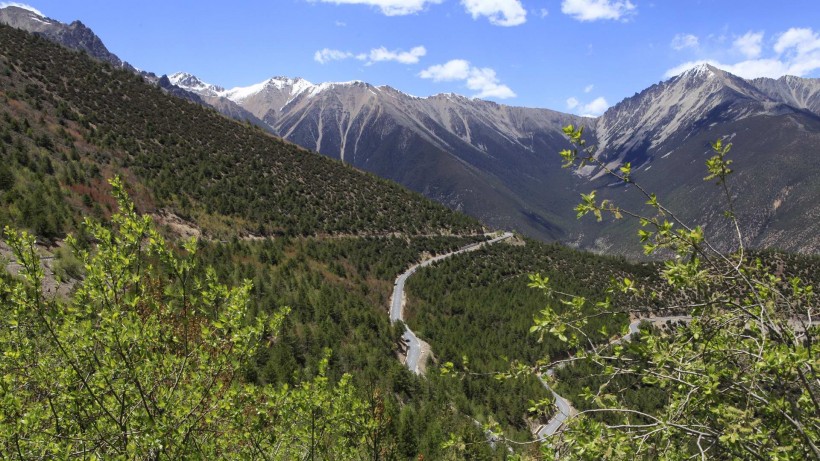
x,y
79,37
677,106
83,122
802,93
683,105
493,161
475,156
665,133
75,35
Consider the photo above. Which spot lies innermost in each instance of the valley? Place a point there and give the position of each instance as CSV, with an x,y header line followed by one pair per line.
x,y
489,160
404,277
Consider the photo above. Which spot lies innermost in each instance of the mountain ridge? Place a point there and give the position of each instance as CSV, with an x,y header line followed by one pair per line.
x,y
495,162
640,130
75,35
469,149
198,162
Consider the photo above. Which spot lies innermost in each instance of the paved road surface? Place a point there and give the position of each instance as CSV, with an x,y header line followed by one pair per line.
x,y
415,346
565,409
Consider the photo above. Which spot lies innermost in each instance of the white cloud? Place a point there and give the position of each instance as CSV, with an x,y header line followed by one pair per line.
x,y
326,55
796,52
594,108
456,69
749,44
801,49
487,84
593,10
683,41
404,57
588,88
499,12
380,54
23,6
483,80
390,7
543,12
800,41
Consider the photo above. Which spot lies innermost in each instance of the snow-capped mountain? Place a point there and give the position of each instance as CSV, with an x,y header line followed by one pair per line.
x,y
193,84
477,156
282,103
665,132
493,161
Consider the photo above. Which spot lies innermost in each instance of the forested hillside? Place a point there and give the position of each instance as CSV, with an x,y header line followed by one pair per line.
x,y
267,212
68,122
477,310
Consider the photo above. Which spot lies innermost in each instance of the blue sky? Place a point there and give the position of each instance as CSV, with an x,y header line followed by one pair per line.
x,y
570,55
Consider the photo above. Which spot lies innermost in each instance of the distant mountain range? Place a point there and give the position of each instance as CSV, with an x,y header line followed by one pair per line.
x,y
479,157
499,163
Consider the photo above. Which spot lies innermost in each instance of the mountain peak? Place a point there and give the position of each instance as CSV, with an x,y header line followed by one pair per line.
x,y
75,35
391,90
659,113
702,70
285,79
192,83
19,8
451,96
792,79
25,17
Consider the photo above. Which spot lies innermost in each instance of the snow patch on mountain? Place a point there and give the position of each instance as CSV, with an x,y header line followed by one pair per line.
x,y
22,6
239,93
191,83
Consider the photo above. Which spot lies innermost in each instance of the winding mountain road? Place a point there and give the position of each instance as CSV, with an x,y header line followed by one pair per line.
x,y
418,350
564,407
565,410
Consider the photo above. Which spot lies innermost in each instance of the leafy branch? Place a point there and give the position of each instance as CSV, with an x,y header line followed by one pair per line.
x,y
740,375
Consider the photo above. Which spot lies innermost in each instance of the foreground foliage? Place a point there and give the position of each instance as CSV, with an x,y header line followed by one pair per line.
x,y
145,362
740,376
